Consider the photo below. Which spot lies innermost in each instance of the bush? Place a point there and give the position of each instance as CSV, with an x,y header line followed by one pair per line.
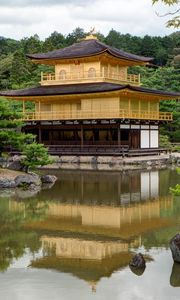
x,y
164,142
176,149
35,155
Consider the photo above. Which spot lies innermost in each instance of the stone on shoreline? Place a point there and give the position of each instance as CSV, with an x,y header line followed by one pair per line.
x,y
28,180
48,179
7,183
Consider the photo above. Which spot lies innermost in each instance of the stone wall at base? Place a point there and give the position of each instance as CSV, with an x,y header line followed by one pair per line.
x,y
113,163
101,162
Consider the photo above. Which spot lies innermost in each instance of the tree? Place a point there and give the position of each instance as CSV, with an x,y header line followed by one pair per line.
x,y
55,41
35,155
10,128
5,71
75,36
19,71
175,21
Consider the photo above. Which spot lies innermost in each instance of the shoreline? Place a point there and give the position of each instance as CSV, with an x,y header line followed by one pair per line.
x,y
111,163
105,163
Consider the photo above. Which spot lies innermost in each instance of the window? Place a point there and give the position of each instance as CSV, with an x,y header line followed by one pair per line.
x,y
91,73
62,74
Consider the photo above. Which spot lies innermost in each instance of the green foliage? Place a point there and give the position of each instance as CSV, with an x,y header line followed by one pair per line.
x,y
164,142
54,41
168,79
176,190
10,128
175,21
176,149
75,36
35,155
168,2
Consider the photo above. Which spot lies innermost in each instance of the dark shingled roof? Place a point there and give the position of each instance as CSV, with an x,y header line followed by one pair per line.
x,y
87,48
70,89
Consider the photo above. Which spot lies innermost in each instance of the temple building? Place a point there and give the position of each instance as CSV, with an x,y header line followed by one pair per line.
x,y
91,104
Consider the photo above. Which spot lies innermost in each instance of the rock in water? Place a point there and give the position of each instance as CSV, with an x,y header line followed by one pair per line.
x,y
138,261
48,178
27,180
175,247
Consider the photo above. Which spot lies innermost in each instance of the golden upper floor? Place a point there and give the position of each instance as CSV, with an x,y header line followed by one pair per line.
x,y
89,72
89,61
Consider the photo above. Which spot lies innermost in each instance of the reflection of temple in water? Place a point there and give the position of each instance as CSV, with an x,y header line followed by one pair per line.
x,y
105,188
89,237
89,203
85,249
86,259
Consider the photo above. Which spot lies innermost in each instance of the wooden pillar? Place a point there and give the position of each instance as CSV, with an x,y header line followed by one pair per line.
x,y
39,134
82,137
50,137
39,109
119,135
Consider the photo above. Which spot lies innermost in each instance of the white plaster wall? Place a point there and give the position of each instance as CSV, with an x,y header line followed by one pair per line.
x,y
145,143
154,139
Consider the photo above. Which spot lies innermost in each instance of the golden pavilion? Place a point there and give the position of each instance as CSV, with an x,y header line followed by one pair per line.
x,y
91,104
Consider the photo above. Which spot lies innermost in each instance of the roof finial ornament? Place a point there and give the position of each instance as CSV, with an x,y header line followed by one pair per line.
x,y
91,34
92,31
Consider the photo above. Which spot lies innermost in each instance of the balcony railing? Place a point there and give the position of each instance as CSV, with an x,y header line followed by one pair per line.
x,y
105,114
84,77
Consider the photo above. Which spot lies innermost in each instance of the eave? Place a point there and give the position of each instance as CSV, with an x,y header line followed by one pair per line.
x,y
87,90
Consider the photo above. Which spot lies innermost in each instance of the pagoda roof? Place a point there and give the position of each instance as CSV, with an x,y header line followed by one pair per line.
x,y
87,48
85,88
88,270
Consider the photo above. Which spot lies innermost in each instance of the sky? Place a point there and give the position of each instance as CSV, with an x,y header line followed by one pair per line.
x,y
24,18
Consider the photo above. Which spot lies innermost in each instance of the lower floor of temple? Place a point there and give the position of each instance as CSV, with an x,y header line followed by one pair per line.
x,y
92,134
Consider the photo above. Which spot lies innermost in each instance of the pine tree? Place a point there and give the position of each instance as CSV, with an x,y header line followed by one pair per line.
x,y
10,128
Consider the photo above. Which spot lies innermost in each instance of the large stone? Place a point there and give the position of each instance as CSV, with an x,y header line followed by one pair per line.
x,y
27,180
15,165
7,183
48,178
138,261
175,247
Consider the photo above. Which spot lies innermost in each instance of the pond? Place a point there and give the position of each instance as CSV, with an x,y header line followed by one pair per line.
x,y
75,240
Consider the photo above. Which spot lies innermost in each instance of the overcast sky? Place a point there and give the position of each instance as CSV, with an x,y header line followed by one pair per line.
x,y
23,18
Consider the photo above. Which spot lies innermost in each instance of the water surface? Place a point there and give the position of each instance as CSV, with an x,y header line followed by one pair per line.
x,y
75,240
